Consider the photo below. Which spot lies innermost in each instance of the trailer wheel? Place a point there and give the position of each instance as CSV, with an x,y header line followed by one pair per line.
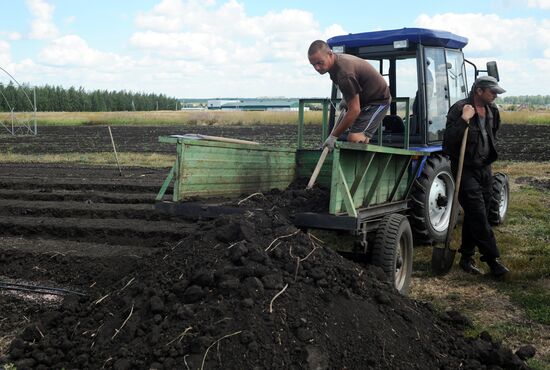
x,y
498,207
431,199
393,250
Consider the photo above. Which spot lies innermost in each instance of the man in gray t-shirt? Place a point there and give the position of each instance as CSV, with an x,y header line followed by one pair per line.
x,y
364,90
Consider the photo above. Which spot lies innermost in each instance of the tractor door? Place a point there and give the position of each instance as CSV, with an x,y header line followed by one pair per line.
x,y
445,83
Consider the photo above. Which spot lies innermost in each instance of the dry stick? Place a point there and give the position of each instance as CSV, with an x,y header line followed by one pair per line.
x,y
57,254
234,244
316,238
105,363
102,298
248,197
274,298
218,353
114,149
310,253
128,283
42,335
124,323
281,237
180,337
297,268
185,361
297,258
213,344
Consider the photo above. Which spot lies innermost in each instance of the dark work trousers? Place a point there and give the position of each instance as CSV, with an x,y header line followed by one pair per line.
x,y
474,196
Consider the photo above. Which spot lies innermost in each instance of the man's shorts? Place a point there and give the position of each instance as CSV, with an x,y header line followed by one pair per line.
x,y
369,119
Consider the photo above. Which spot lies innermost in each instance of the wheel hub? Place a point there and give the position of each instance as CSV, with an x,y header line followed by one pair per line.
x,y
439,204
503,204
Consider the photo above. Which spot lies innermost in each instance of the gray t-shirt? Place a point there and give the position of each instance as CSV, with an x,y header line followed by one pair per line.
x,y
354,76
484,145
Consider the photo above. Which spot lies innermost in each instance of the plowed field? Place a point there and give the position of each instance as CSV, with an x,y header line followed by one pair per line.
x,y
152,291
516,142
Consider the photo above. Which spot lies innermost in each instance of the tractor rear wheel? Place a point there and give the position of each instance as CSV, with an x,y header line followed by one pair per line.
x,y
498,207
431,199
393,250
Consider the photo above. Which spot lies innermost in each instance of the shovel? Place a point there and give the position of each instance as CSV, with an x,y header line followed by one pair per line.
x,y
322,158
317,168
443,257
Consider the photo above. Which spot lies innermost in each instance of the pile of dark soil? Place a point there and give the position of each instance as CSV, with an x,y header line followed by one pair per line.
x,y
247,291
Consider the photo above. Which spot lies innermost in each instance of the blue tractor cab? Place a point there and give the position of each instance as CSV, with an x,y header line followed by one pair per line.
x,y
426,73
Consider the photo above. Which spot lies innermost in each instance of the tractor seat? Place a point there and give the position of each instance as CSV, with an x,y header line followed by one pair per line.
x,y
393,124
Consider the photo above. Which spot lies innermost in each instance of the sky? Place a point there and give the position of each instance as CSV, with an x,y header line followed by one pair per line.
x,y
247,48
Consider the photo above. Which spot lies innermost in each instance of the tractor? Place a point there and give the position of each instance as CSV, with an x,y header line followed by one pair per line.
x,y
428,67
375,189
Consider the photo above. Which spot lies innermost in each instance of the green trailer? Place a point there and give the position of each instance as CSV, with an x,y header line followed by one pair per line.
x,y
369,188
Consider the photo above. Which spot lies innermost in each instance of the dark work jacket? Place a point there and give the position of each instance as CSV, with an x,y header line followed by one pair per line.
x,y
454,131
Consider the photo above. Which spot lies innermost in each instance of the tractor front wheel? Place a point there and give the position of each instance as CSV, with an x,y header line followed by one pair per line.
x,y
431,199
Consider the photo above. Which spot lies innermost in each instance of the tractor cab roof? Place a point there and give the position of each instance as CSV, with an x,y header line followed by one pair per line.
x,y
422,36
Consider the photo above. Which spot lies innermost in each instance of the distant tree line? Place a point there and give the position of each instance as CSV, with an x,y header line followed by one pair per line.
x,y
535,100
58,99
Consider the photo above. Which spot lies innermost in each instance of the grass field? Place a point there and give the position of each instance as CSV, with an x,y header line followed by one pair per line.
x,y
527,117
153,118
217,118
104,158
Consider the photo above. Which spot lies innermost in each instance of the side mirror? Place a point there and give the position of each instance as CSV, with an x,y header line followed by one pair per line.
x,y
492,70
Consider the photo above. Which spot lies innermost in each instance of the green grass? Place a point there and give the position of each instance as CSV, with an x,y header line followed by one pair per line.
x,y
524,243
526,117
534,299
217,118
104,158
153,118
505,330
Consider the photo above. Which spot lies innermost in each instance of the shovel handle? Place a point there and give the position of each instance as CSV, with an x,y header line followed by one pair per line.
x,y
454,204
317,168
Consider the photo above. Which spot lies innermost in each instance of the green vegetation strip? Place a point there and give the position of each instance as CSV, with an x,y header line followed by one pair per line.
x,y
105,158
526,117
152,118
214,117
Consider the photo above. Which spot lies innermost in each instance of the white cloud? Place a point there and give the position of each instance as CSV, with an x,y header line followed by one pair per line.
x,y
238,54
42,25
489,33
192,48
542,4
73,51
521,46
12,36
5,53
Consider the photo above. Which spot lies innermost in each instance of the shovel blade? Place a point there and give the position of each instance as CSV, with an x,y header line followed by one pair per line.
x,y
442,260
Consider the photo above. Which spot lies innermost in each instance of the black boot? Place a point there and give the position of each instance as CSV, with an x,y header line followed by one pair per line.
x,y
497,268
468,265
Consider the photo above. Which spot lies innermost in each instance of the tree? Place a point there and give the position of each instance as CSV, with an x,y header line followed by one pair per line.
x,y
57,98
